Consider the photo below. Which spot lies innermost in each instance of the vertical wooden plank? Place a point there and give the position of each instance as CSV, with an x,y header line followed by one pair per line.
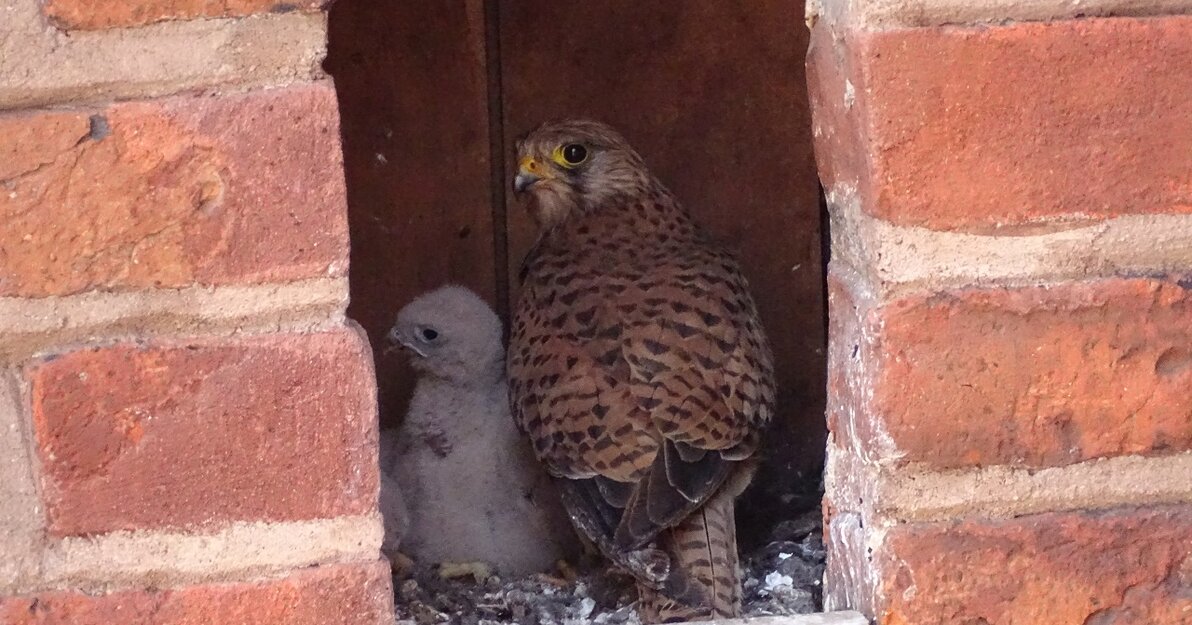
x,y
713,95
413,97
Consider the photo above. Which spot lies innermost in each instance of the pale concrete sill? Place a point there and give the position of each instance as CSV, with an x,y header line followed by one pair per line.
x,y
820,618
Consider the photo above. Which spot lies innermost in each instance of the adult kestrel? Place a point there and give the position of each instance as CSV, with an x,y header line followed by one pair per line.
x,y
638,367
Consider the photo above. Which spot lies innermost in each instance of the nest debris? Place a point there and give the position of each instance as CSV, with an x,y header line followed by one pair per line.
x,y
782,577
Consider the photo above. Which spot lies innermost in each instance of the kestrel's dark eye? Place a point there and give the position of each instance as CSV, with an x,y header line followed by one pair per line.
x,y
574,153
428,334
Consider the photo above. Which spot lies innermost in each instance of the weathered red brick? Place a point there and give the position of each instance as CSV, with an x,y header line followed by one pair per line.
x,y
278,427
1034,376
243,188
984,128
101,14
1120,567
346,594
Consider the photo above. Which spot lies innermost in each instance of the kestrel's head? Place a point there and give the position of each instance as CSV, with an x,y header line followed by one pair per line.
x,y
577,165
453,334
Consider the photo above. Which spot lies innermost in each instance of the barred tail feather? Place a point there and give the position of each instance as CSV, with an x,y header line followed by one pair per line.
x,y
704,582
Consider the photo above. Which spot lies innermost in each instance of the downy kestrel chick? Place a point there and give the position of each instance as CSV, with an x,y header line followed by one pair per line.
x,y
469,480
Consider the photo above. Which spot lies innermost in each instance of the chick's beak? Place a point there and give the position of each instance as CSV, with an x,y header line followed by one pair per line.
x,y
393,341
396,341
529,171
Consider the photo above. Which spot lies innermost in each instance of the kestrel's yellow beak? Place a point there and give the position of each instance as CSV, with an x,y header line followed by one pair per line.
x,y
529,171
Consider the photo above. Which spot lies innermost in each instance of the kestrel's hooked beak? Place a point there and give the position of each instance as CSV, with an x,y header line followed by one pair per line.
x,y
529,171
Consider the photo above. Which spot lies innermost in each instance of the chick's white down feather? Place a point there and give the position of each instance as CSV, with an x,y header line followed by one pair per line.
x,y
471,486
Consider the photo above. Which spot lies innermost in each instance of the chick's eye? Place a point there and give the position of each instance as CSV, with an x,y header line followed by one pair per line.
x,y
428,334
574,153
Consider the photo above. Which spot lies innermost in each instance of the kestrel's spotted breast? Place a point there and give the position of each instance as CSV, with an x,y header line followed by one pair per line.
x,y
634,331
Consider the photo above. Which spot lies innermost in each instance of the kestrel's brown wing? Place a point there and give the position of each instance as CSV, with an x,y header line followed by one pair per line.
x,y
702,367
652,373
570,393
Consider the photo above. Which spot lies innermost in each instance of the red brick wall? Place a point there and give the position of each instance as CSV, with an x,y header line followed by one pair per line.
x,y
1011,314
187,420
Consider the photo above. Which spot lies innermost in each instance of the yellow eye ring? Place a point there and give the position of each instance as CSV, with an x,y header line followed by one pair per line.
x,y
570,155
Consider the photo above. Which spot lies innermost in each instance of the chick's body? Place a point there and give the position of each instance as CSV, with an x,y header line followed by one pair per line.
x,y
638,368
473,489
